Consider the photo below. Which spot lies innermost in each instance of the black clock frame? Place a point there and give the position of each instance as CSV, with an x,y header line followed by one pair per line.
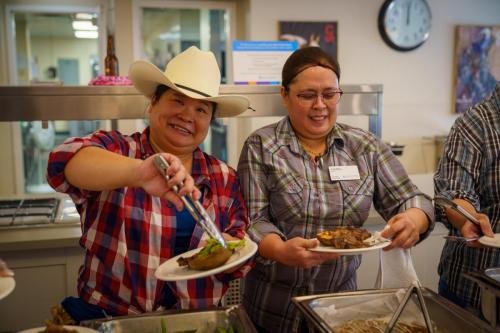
x,y
385,35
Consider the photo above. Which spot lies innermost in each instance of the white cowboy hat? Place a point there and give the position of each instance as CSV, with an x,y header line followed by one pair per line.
x,y
193,73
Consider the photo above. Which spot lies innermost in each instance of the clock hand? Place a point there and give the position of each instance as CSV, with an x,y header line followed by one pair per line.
x,y
408,13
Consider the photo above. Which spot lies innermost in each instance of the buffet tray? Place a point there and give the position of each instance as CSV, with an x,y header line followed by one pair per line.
x,y
446,316
207,321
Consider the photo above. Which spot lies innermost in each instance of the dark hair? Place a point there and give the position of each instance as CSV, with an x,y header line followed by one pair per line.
x,y
161,89
304,58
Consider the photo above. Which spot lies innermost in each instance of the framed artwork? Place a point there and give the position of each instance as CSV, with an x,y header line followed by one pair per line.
x,y
322,34
477,64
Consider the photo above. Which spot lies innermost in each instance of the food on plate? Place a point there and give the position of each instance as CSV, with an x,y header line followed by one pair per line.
x,y
211,255
377,326
344,237
53,328
59,316
4,270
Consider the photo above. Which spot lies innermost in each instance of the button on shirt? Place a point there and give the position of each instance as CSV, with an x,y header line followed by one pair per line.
x,y
288,193
470,169
127,233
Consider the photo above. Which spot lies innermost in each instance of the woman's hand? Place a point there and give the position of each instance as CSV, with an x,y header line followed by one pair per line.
x,y
293,252
153,182
405,228
470,229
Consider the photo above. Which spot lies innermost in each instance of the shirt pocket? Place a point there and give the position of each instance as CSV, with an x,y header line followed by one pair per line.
x,y
286,196
357,198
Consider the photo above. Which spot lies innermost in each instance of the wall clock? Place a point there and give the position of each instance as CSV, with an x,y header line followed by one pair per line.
x,y
404,24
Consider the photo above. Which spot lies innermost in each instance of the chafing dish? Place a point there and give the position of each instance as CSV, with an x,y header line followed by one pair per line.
x,y
489,282
446,316
207,321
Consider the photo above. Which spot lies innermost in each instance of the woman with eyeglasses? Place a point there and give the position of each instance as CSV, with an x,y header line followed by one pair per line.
x,y
306,174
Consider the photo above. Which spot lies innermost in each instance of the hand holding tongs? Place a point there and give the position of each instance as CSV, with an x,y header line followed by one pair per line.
x,y
193,206
447,203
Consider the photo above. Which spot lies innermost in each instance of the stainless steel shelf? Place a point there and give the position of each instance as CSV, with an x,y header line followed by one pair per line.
x,y
28,103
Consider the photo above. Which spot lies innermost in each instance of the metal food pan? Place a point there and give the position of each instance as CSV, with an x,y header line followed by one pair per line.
x,y
448,317
178,321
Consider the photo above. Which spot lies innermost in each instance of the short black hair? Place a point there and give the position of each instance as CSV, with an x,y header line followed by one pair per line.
x,y
304,58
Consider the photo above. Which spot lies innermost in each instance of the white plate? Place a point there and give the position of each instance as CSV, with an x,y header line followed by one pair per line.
x,y
79,329
490,241
349,252
171,271
7,284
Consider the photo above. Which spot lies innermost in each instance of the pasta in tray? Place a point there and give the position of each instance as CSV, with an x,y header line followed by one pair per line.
x,y
378,326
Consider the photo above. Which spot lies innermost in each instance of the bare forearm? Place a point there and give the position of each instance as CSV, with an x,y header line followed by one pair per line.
x,y
96,169
455,218
269,246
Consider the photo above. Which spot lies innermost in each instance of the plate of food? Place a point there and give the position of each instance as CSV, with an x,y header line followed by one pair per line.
x,y
7,285
348,241
490,241
51,328
208,260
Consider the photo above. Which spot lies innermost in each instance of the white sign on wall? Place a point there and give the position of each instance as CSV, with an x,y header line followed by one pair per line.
x,y
260,62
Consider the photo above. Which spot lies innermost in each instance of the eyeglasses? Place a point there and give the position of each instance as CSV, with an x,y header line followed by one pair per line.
x,y
330,97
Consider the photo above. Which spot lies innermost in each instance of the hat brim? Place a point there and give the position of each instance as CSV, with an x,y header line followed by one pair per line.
x,y
146,77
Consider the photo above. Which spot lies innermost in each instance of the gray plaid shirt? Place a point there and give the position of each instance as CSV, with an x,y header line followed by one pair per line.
x,y
470,169
290,194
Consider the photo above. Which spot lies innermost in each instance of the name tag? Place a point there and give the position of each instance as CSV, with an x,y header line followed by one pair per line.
x,y
345,172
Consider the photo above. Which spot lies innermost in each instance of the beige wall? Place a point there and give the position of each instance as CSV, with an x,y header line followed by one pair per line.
x,y
417,84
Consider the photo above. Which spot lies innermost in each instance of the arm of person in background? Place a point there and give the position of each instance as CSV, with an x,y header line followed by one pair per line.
x,y
459,173
273,243
467,228
409,212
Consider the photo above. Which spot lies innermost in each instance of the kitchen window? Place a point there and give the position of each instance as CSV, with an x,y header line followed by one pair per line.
x,y
50,45
163,29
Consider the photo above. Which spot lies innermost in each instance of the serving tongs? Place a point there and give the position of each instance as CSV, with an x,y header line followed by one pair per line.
x,y
415,287
193,206
447,203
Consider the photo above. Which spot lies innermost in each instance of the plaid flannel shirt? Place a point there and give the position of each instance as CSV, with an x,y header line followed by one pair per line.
x,y
470,169
127,233
289,194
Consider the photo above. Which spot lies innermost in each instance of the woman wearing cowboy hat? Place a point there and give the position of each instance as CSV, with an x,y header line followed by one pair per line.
x,y
131,219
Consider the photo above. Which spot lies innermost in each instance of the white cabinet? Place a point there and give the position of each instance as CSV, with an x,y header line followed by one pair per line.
x,y
44,277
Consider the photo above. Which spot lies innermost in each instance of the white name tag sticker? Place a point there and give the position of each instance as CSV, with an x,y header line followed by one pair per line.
x,y
345,172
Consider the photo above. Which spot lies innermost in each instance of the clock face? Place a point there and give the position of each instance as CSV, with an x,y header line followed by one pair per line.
x,y
405,24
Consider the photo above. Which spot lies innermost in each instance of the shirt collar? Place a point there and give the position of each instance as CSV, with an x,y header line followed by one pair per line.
x,y
286,134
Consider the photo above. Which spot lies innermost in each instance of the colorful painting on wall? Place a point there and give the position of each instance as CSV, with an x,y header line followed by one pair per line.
x,y
477,64
322,34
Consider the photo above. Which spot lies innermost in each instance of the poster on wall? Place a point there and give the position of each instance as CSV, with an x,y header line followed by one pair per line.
x,y
322,34
477,64
260,62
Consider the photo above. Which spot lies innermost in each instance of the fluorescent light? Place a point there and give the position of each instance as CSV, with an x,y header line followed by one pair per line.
x,y
86,34
84,16
83,25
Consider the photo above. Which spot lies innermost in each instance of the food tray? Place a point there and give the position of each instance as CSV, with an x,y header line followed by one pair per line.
x,y
447,317
178,321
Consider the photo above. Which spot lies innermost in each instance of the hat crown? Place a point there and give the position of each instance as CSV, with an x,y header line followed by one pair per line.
x,y
196,70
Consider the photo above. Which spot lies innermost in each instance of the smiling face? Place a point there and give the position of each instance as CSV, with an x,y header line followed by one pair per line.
x,y
311,119
179,124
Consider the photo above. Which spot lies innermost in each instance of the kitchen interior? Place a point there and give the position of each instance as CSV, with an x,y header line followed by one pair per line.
x,y
405,98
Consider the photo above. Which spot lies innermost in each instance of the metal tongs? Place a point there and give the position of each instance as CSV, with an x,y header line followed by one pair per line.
x,y
414,288
193,206
447,203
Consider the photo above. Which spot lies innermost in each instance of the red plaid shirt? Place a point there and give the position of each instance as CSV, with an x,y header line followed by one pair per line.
x,y
127,233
